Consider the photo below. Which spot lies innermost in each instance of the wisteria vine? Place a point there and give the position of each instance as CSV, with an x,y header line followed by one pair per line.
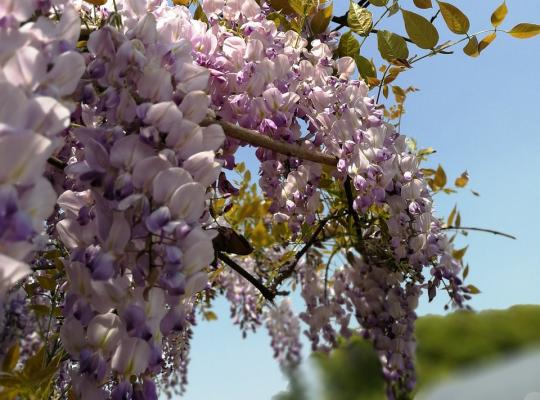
x,y
114,142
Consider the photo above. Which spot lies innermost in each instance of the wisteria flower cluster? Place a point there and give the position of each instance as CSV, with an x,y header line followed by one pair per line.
x,y
114,140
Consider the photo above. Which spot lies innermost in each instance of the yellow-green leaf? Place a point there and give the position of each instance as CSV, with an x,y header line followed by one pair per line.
x,y
423,4
458,254
458,219
420,30
456,21
499,14
359,19
473,289
391,46
440,178
321,19
451,217
524,30
200,14
11,358
348,45
181,2
46,282
379,3
365,67
471,48
485,42
394,8
462,180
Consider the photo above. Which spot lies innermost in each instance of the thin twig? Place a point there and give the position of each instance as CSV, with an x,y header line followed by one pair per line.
x,y
435,16
287,272
57,163
267,293
468,228
256,139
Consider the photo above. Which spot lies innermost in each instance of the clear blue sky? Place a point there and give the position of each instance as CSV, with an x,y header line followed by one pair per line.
x,y
481,115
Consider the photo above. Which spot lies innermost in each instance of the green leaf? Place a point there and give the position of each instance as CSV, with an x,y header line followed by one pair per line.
x,y
348,45
485,42
359,19
462,180
11,358
499,14
423,4
456,21
379,3
391,46
471,48
420,30
365,67
524,31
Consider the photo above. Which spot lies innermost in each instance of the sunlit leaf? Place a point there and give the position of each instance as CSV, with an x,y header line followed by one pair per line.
x,y
394,8
348,45
379,3
456,21
181,2
321,19
385,91
524,30
210,316
423,3
486,41
440,178
458,254
471,48
359,19
200,14
420,30
451,217
462,180
391,46
499,14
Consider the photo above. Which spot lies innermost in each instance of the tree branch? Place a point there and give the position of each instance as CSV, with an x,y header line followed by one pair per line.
x,y
256,139
267,294
468,228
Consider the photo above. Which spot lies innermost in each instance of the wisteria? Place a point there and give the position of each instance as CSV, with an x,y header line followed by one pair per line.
x,y
113,156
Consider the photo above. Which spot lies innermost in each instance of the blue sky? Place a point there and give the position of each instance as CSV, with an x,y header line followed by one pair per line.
x,y
481,115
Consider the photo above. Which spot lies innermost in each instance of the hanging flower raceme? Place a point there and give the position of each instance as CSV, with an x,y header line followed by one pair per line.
x,y
39,68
